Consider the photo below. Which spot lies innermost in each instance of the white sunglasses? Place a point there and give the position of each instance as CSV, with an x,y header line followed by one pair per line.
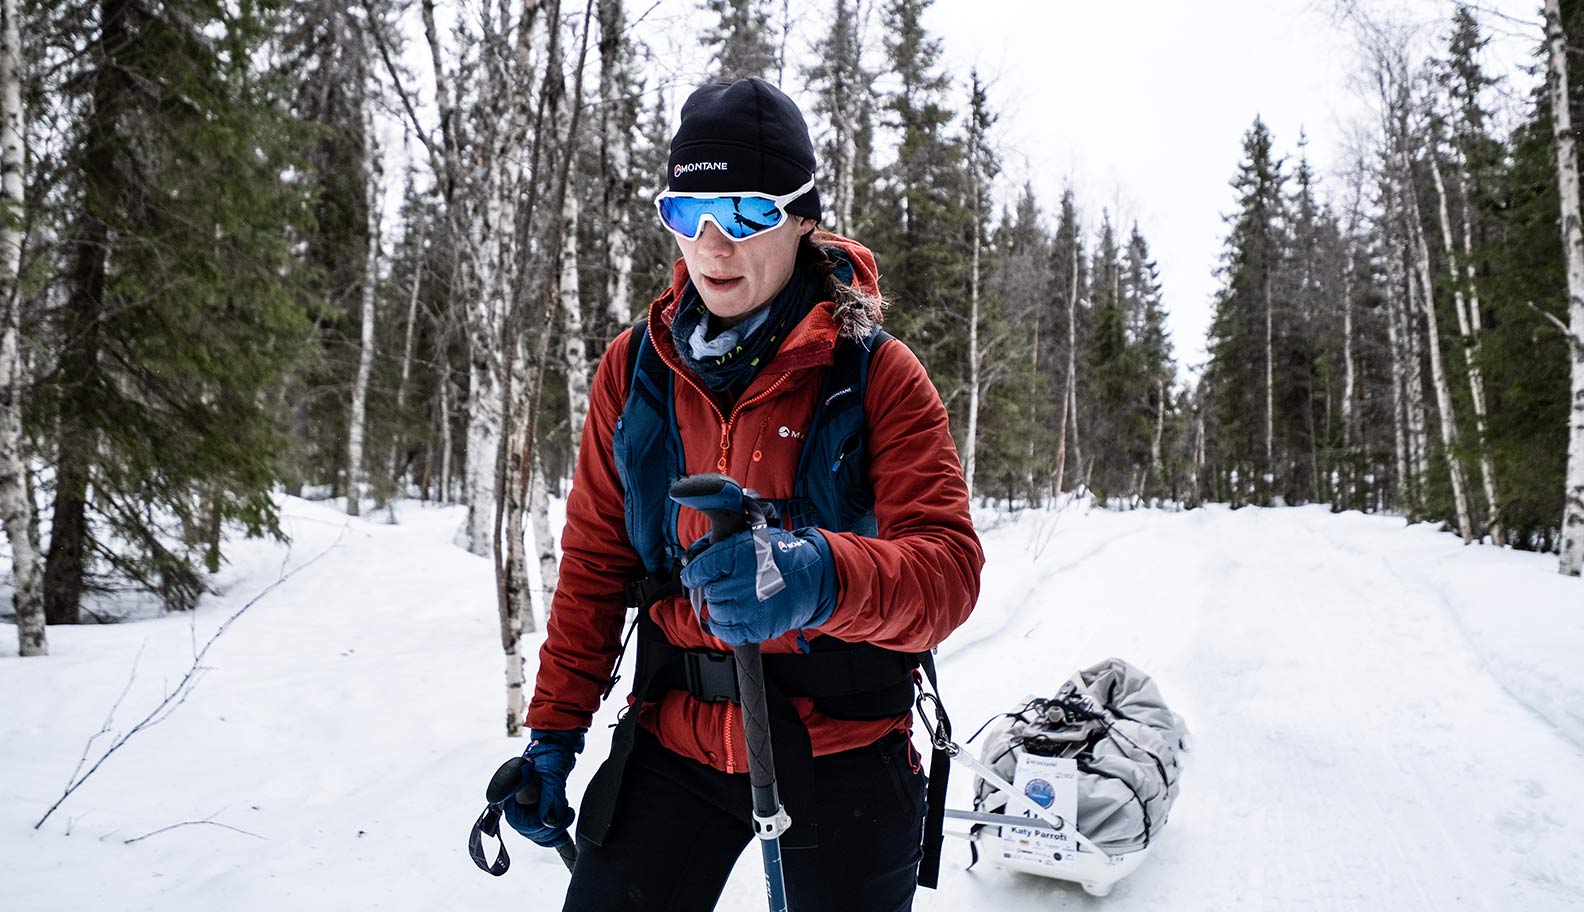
x,y
739,216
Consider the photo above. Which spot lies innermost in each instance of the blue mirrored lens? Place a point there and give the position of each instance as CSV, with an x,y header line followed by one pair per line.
x,y
739,217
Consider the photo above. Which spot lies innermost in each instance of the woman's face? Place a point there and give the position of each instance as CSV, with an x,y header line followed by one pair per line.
x,y
735,277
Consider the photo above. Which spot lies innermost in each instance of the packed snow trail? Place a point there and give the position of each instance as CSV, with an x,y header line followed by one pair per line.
x,y
1381,719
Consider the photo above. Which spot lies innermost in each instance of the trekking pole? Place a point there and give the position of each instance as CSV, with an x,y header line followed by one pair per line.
x,y
722,500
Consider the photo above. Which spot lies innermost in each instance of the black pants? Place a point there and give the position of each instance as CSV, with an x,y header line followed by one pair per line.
x,y
680,827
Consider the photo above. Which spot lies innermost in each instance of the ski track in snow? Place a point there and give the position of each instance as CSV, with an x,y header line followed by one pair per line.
x,y
1370,731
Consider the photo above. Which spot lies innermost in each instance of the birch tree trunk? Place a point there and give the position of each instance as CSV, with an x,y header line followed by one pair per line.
x,y
573,351
483,442
1198,454
523,454
616,154
1408,486
1476,373
1155,442
971,441
1418,419
446,445
514,600
1448,422
1269,476
1348,485
544,539
1406,361
16,502
1572,557
473,217
355,423
1465,333
407,354
1070,395
840,98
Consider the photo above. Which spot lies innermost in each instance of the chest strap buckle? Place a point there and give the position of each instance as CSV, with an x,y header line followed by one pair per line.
x,y
711,676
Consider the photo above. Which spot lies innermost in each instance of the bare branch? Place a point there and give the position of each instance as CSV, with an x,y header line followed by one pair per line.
x,y
436,160
1567,334
209,821
179,694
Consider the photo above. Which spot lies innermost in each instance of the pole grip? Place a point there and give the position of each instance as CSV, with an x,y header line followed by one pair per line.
x,y
756,720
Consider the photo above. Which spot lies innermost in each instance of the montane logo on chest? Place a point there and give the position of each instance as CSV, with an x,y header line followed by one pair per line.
x,y
795,435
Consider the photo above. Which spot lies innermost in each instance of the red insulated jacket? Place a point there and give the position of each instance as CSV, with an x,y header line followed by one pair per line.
x,y
905,590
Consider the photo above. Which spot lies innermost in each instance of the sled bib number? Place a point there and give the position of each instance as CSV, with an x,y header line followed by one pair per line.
x,y
1052,783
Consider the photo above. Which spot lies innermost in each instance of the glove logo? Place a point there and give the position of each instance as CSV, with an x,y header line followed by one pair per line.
x,y
786,546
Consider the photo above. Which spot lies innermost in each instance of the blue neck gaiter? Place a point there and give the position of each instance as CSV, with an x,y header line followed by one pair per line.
x,y
728,360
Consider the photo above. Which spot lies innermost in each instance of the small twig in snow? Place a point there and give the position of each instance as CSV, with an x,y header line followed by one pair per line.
x,y
104,728
172,698
209,821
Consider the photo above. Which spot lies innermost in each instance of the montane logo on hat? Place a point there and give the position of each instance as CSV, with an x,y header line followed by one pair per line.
x,y
698,166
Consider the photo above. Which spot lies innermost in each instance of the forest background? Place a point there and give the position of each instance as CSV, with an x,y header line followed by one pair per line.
x,y
370,251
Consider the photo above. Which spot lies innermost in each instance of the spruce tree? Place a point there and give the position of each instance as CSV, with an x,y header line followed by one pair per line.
x,y
1106,365
741,40
921,228
1018,422
180,301
844,104
1239,376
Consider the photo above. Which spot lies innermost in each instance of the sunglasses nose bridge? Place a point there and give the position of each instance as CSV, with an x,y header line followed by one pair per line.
x,y
710,230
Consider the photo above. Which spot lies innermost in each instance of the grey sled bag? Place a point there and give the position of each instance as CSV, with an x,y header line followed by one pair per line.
x,y
1128,745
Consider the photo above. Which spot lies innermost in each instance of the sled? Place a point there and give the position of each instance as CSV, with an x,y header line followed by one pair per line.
x,y
1084,863
1070,762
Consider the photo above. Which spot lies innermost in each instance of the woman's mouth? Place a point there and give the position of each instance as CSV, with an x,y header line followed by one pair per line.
x,y
721,284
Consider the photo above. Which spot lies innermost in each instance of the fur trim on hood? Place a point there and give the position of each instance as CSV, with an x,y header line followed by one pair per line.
x,y
859,306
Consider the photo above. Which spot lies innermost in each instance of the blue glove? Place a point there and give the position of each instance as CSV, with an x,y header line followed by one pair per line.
x,y
537,808
761,583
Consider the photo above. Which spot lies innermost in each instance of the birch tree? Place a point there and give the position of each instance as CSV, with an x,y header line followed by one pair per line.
x,y
1420,251
1069,257
574,354
1571,561
16,502
981,169
359,408
1466,334
618,117
420,257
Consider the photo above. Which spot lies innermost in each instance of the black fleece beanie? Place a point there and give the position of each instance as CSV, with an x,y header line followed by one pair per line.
x,y
744,136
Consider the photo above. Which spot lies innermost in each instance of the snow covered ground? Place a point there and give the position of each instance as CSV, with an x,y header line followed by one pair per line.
x,y
1382,719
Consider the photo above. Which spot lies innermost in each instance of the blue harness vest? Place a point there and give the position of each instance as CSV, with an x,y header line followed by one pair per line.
x,y
831,489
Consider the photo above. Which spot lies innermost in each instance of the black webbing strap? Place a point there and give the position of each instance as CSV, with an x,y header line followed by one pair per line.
x,y
599,799
875,682
488,824
940,767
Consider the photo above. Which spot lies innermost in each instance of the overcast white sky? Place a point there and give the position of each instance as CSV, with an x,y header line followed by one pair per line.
x,y
1140,104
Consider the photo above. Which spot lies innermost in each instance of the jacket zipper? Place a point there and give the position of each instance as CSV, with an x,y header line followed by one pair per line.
x,y
725,441
720,465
